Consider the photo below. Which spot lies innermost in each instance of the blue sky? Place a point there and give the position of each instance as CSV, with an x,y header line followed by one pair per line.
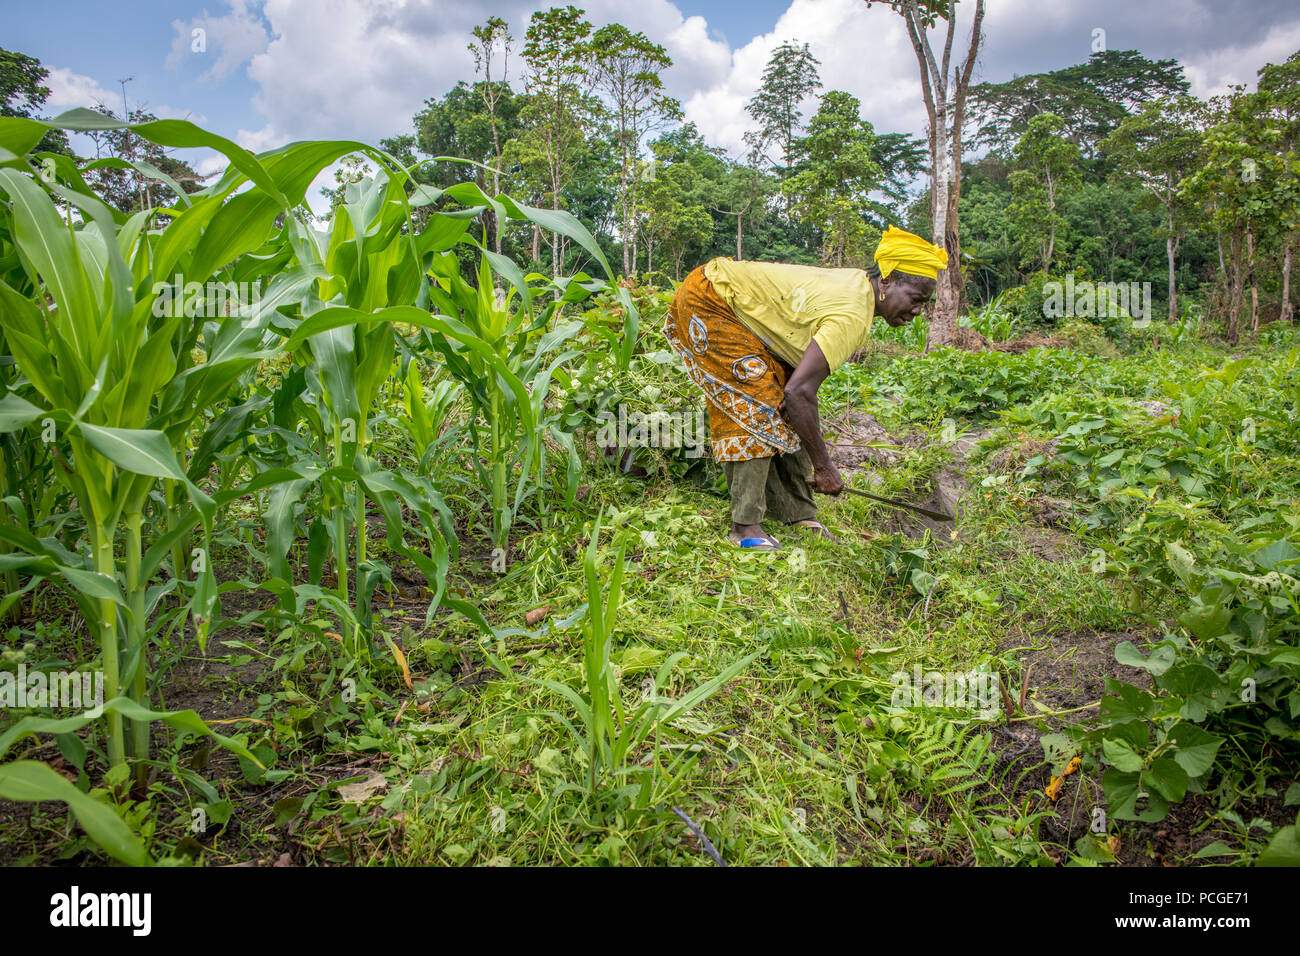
x,y
274,71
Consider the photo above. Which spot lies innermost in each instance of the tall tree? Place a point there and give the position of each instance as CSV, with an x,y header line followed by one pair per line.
x,y
1048,164
1235,187
1159,146
1279,89
22,94
945,105
901,158
836,174
123,186
490,36
789,78
747,186
1093,98
557,52
627,68
460,124
672,217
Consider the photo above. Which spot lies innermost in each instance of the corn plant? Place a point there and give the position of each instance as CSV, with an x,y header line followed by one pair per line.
x,y
425,416
496,344
363,261
607,730
96,360
509,368
118,379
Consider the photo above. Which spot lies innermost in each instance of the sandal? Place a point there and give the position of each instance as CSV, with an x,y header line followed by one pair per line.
x,y
820,528
766,543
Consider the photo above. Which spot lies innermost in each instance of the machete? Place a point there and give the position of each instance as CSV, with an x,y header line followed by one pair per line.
x,y
936,515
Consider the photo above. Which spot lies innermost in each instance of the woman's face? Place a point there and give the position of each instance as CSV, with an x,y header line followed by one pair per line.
x,y
902,301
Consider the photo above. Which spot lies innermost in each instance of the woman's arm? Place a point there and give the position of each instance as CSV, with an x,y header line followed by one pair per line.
x,y
799,408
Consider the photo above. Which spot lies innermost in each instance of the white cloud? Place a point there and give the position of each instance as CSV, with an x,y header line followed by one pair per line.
x,y
233,39
863,50
210,165
352,69
700,58
259,140
68,90
360,69
1214,71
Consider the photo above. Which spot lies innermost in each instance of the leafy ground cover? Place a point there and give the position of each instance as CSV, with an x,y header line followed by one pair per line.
x,y
363,573
1123,562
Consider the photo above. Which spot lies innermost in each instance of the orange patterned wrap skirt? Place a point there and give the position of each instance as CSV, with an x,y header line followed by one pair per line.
x,y
741,380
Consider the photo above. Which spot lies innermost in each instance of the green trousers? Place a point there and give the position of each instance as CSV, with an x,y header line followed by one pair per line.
x,y
775,487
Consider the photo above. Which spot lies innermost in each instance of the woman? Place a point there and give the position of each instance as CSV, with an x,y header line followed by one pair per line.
x,y
759,338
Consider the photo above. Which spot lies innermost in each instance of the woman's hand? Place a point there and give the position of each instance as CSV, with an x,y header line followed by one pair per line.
x,y
827,481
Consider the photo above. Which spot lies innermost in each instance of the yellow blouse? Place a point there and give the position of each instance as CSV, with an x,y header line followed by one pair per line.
x,y
789,306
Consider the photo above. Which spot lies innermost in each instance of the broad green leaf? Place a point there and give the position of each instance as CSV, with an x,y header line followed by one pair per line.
x,y
52,250
28,781
16,412
1167,778
139,450
1181,560
1121,756
1196,748
1159,661
1124,795
1282,850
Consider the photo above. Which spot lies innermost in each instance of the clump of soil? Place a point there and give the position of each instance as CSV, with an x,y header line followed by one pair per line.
x,y
1012,458
969,339
1045,545
1034,340
878,353
949,485
1068,671
1071,670
851,435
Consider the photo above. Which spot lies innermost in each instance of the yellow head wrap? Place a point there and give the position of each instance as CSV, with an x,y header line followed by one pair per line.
x,y
910,254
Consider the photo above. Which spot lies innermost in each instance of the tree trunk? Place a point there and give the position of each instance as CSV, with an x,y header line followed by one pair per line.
x,y
633,229
739,218
1173,292
961,85
1234,300
946,115
624,188
1287,313
1254,287
537,243
1171,249
496,176
953,275
555,244
943,323
1051,219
